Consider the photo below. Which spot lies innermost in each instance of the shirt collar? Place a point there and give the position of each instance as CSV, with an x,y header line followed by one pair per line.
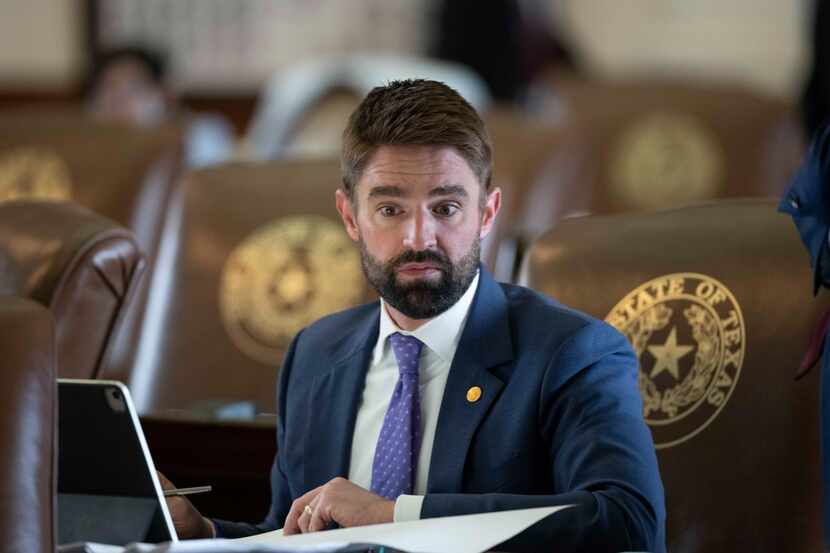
x,y
440,334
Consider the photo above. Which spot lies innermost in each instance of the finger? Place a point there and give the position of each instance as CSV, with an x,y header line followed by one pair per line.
x,y
308,512
291,525
176,506
305,515
320,518
305,519
165,483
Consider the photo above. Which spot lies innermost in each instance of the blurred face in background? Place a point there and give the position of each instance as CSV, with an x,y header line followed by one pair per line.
x,y
127,93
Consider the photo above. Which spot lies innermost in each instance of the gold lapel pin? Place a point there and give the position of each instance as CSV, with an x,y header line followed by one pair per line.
x,y
473,394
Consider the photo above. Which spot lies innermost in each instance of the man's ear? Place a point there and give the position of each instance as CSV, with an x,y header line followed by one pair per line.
x,y
347,213
490,211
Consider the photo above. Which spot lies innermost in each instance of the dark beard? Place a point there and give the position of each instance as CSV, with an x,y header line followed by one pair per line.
x,y
422,299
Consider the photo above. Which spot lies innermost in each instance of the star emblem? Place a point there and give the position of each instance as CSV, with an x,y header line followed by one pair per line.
x,y
667,355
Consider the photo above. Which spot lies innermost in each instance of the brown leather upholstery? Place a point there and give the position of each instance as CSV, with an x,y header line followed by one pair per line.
x,y
716,299
121,172
262,253
654,144
118,171
522,145
27,427
81,266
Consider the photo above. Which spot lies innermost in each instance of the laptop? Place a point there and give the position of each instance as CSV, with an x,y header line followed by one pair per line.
x,y
108,490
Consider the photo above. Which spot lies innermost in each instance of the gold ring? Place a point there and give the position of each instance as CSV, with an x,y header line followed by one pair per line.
x,y
307,510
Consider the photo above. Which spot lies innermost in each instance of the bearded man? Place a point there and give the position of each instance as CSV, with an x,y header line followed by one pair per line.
x,y
453,394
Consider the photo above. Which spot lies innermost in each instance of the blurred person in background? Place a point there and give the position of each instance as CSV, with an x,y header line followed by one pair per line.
x,y
512,45
129,85
295,91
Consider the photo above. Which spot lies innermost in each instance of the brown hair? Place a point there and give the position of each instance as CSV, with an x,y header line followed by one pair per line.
x,y
414,113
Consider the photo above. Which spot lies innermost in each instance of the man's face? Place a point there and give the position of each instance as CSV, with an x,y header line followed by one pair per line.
x,y
417,215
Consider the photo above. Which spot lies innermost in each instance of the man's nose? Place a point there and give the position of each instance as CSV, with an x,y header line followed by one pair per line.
x,y
420,232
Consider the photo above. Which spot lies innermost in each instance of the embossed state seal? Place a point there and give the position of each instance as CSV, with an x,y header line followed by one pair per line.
x,y
688,332
283,277
666,159
33,173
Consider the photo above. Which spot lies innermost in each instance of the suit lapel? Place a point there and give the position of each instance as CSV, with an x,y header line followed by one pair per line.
x,y
335,397
485,343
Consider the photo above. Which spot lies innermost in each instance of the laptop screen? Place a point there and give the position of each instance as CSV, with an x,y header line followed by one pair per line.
x,y
108,491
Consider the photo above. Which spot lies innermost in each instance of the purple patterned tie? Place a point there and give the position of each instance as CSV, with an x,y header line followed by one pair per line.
x,y
396,454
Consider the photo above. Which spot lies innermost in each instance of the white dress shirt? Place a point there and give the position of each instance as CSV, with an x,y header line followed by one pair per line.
x,y
440,337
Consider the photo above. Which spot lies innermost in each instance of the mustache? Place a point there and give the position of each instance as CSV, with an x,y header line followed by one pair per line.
x,y
424,256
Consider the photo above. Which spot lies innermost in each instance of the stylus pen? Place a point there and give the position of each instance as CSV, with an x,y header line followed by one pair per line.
x,y
187,491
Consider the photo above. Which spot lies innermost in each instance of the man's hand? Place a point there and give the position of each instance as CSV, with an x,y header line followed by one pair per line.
x,y
188,521
338,501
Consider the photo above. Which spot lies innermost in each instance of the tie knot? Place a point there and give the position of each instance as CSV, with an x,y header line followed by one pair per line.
x,y
407,351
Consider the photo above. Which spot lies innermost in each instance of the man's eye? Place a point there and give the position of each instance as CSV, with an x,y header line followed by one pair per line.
x,y
446,210
388,210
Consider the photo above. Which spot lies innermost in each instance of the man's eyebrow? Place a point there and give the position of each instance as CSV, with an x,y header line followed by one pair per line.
x,y
449,190
394,191
386,190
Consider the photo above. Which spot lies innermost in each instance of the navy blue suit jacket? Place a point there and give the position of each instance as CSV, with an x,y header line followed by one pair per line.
x,y
808,203
559,422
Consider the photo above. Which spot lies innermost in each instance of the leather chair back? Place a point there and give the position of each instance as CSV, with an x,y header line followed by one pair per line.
x,y
261,253
83,267
521,147
119,171
28,439
124,173
654,144
716,301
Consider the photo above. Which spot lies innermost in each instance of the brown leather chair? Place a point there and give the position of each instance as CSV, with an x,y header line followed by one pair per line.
x,y
654,144
83,267
27,427
716,300
522,144
261,253
121,172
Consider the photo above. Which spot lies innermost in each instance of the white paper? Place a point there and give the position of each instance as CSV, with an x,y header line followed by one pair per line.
x,y
458,534
91,547
235,546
